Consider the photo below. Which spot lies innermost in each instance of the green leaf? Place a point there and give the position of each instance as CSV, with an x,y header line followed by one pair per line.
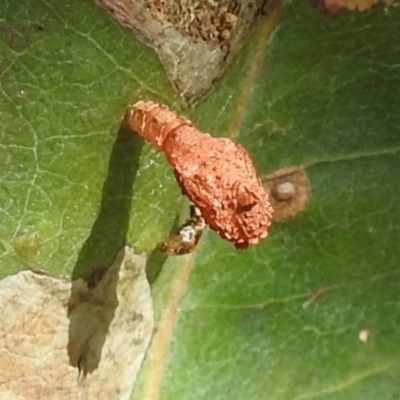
x,y
319,92
75,188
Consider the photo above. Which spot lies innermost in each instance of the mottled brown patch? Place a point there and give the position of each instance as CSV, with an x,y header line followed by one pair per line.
x,y
194,39
334,6
200,20
288,190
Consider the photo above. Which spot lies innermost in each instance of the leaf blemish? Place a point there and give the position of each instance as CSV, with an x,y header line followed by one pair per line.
x,y
27,245
288,190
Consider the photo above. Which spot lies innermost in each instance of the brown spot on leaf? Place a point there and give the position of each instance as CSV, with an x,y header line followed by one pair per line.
x,y
267,6
332,7
36,26
288,190
19,38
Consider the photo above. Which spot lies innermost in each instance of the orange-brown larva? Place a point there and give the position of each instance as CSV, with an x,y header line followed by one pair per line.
x,y
216,174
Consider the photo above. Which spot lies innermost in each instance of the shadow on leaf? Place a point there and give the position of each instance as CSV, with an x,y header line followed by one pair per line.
x,y
107,237
109,231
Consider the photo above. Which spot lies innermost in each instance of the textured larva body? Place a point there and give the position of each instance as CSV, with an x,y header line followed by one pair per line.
x,y
216,174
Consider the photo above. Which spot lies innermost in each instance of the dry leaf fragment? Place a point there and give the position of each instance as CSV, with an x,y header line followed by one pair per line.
x,y
216,174
35,333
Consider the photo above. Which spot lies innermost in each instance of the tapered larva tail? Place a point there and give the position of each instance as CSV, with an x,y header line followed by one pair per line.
x,y
154,122
216,174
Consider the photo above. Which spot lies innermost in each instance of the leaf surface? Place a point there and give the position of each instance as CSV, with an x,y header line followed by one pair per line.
x,y
307,89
